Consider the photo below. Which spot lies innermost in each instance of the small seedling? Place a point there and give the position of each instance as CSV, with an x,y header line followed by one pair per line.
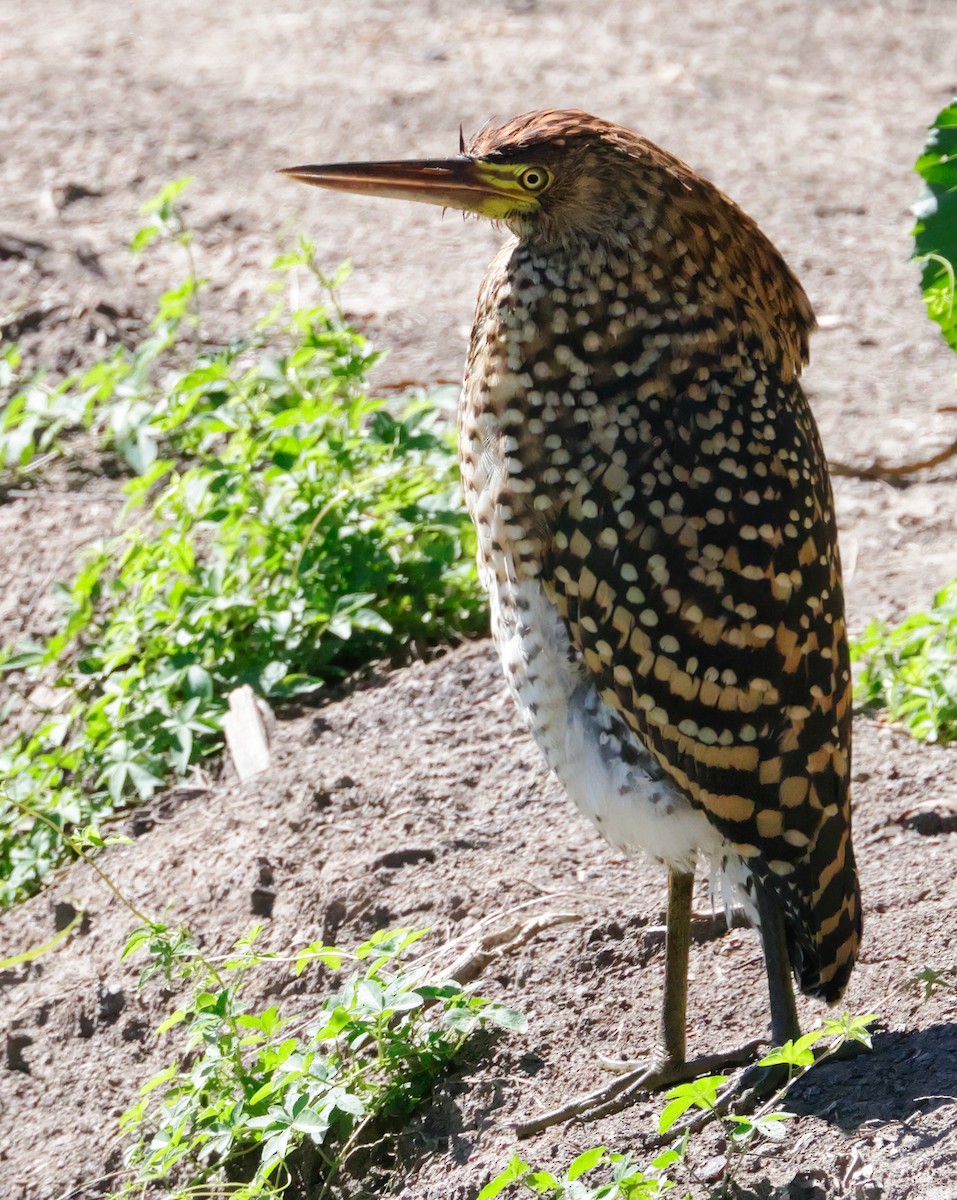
x,y
931,980
621,1180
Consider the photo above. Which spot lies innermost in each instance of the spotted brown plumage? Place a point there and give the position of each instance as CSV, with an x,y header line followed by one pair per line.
x,y
655,520
666,485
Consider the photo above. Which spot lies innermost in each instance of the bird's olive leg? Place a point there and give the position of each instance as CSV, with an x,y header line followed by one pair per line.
x,y
670,1065
760,1082
674,1005
784,1018
674,1011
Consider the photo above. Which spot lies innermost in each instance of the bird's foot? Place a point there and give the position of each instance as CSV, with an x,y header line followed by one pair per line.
x,y
636,1080
758,1086
752,1087
740,1096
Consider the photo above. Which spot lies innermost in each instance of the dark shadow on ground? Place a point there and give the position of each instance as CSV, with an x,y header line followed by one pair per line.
x,y
906,1073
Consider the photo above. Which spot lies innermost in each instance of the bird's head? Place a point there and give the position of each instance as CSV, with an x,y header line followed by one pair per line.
x,y
549,176
564,179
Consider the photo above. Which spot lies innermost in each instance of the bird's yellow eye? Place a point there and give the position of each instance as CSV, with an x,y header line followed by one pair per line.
x,y
534,179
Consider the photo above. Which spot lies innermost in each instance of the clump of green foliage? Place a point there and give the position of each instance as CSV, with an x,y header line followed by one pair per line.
x,y
935,234
251,1089
616,1176
259,1101
282,527
910,669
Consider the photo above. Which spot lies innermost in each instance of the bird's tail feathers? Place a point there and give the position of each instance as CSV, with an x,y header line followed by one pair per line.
x,y
822,919
822,914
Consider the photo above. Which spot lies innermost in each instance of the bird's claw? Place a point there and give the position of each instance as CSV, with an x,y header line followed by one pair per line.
x,y
636,1080
621,1066
751,1088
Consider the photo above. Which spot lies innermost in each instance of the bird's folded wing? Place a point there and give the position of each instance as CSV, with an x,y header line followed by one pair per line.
x,y
709,614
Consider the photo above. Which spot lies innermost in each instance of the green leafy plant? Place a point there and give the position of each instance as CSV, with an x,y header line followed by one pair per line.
x,y
114,399
910,669
167,219
282,527
618,1178
621,1180
935,234
260,1098
32,414
250,1088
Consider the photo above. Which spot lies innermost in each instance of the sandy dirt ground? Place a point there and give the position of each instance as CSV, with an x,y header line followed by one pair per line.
x,y
810,116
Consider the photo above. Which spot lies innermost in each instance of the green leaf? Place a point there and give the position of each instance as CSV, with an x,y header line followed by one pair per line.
x,y
585,1162
315,1124
168,194
142,238
541,1181
369,997
505,1018
768,1125
345,1101
175,1018
389,943
699,1093
794,1053
517,1169
337,1020
672,1112
328,955
199,682
667,1158
159,1079
32,656
36,952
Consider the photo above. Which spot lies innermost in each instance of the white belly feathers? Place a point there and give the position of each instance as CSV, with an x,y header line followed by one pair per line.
x,y
610,776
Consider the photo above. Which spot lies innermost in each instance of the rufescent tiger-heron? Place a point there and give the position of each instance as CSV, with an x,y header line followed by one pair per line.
x,y
656,531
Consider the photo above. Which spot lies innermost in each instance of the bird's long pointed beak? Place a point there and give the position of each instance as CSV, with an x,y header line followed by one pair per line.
x,y
460,182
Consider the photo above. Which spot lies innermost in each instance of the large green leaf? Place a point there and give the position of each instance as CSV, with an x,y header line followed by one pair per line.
x,y
935,234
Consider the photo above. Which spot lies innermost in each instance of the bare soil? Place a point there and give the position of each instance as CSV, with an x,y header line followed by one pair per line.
x,y
415,798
